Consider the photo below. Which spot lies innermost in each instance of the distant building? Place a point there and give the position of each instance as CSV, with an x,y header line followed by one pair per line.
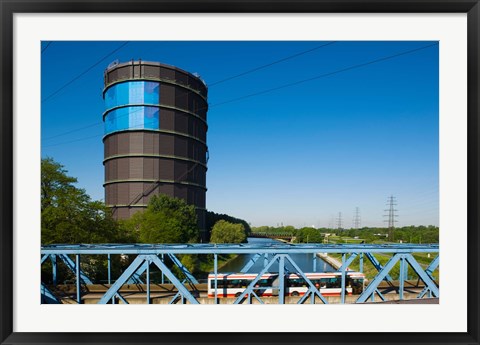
x,y
155,136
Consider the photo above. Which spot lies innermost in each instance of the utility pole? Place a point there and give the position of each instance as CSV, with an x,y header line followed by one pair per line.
x,y
391,202
356,218
339,221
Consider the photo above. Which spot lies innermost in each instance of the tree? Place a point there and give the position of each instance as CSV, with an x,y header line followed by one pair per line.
x,y
68,213
212,218
308,235
226,232
166,220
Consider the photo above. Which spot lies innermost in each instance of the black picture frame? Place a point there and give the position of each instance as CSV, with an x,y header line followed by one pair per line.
x,y
10,7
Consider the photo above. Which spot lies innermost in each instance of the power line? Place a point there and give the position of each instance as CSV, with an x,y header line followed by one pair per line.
x,y
215,83
46,46
270,64
73,141
73,131
289,84
326,74
84,72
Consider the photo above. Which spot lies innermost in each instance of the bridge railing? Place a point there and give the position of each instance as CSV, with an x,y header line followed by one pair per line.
x,y
154,255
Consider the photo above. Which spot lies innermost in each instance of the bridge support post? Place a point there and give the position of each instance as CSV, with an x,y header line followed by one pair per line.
x,y
53,259
163,277
281,280
77,273
148,281
372,287
215,269
401,277
361,263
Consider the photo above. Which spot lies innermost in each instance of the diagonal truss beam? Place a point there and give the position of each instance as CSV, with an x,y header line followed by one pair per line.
x,y
72,267
184,270
378,266
249,288
312,288
178,284
372,287
348,262
123,279
47,296
250,263
432,267
427,280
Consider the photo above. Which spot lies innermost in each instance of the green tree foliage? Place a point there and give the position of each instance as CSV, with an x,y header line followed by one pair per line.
x,y
212,218
166,220
68,213
309,235
226,232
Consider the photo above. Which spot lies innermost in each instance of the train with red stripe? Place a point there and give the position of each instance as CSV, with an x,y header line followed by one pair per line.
x,y
328,283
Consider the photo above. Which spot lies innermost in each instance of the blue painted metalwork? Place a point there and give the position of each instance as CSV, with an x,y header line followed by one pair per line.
x,y
313,289
361,263
72,267
215,268
53,259
250,263
402,276
181,288
184,270
281,280
47,297
113,290
372,287
429,271
148,281
377,265
429,283
280,253
44,257
77,274
203,248
249,288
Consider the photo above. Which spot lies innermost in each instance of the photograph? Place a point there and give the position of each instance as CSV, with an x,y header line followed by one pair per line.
x,y
266,172
239,172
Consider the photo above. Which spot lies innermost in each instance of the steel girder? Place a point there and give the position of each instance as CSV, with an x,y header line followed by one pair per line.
x,y
404,260
148,254
201,248
281,258
134,266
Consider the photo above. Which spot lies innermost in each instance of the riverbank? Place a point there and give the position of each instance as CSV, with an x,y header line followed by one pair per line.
x,y
330,260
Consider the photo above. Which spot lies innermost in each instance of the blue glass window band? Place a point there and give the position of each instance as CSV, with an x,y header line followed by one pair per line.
x,y
128,118
136,116
132,92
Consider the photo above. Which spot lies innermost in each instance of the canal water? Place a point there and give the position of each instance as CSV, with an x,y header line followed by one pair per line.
x,y
304,261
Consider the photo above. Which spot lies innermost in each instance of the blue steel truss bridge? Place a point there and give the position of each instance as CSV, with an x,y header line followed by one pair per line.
x,y
273,283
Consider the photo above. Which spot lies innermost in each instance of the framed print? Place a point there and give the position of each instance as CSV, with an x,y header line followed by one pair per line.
x,y
309,161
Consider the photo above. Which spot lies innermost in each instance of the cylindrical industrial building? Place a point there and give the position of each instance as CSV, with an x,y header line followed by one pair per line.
x,y
155,136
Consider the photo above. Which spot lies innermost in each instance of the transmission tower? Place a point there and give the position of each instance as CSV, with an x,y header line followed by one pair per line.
x,y
391,202
356,219
339,221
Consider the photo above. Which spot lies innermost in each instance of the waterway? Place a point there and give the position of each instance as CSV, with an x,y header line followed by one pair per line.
x,y
304,261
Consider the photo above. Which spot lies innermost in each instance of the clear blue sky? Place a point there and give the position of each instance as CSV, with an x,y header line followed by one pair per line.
x,y
297,155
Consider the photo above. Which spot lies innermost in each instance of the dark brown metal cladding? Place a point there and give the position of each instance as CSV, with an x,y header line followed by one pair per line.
x,y
171,160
